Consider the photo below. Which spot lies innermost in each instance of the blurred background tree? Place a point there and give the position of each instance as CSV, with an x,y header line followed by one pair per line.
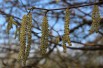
x,y
86,49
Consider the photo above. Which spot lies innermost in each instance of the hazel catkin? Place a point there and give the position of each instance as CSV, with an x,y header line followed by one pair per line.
x,y
66,26
44,37
17,32
57,39
64,44
22,38
96,19
66,38
29,36
25,38
9,25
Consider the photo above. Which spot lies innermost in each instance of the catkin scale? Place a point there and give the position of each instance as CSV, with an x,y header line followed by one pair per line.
x,y
44,37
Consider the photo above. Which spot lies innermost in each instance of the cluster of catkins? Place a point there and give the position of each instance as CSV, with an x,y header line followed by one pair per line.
x,y
25,36
45,33
24,32
66,39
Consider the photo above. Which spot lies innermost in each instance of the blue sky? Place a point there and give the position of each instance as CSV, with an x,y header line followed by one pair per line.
x,y
60,23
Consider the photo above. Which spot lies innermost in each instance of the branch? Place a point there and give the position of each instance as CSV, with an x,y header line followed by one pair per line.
x,y
87,48
73,6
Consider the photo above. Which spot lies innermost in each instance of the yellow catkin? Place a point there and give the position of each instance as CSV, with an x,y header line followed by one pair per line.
x,y
57,1
9,25
22,38
96,19
25,38
44,37
29,36
66,27
57,40
66,38
64,44
17,32
13,22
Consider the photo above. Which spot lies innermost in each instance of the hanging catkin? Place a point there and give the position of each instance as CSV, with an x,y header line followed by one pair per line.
x,y
57,39
9,25
66,26
17,32
44,37
57,1
29,35
25,37
96,19
64,44
23,29
66,38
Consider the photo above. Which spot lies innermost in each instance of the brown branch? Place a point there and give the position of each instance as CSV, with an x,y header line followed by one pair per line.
x,y
73,6
87,48
8,15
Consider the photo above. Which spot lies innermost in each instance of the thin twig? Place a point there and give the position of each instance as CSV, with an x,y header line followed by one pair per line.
x,y
70,7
